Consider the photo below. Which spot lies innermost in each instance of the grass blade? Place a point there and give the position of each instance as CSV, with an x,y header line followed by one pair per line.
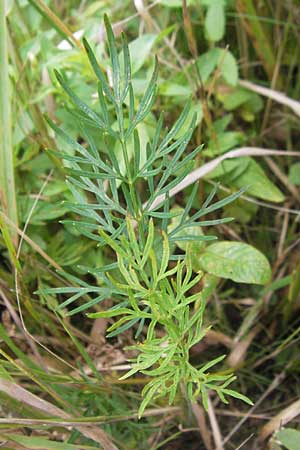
x,y
55,21
7,183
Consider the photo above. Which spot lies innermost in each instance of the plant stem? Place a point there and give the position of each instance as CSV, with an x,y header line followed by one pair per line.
x,y
7,182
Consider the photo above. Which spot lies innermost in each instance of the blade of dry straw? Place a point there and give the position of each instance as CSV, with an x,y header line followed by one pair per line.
x,y
211,165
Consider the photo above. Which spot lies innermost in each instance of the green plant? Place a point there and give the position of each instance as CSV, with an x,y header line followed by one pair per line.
x,y
124,201
7,182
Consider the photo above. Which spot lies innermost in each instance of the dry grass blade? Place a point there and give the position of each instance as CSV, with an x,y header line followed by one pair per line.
x,y
203,428
144,13
211,165
239,351
189,30
278,97
17,392
215,426
281,419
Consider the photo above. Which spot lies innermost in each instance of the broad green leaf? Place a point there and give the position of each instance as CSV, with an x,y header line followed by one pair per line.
x,y
43,212
229,169
229,68
225,141
222,58
237,261
289,438
242,210
249,103
242,172
251,107
207,63
215,20
235,98
174,89
294,174
220,125
140,50
259,184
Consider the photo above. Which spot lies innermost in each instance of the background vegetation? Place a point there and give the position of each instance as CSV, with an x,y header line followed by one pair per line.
x,y
238,61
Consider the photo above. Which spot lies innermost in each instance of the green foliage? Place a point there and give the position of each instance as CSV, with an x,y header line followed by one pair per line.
x,y
247,172
215,20
219,58
128,210
294,174
289,438
7,182
237,261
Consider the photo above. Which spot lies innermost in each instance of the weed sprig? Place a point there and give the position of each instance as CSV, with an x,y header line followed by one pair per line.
x,y
149,283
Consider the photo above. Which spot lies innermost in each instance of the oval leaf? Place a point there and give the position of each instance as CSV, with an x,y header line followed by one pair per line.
x,y
294,174
259,184
237,261
289,438
229,69
215,20
209,61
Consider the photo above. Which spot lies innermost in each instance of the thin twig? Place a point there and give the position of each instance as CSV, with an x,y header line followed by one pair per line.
x,y
245,441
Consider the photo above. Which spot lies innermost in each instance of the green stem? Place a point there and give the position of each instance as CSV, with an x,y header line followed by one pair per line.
x,y
134,201
7,182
